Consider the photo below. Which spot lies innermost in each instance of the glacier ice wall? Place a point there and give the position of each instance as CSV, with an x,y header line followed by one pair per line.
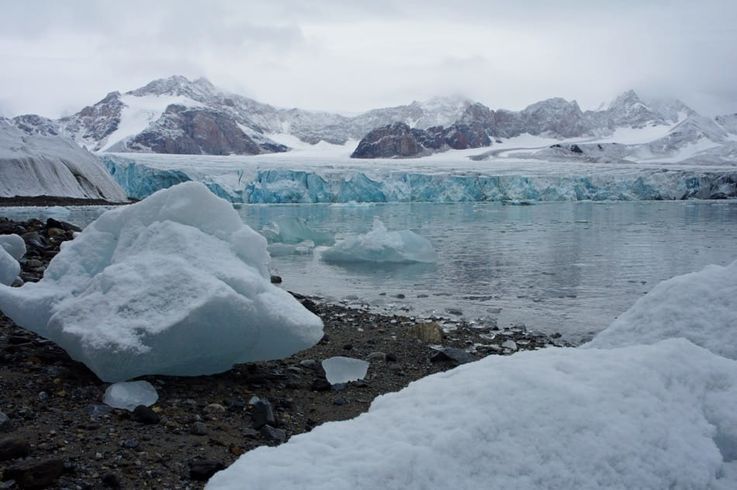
x,y
331,185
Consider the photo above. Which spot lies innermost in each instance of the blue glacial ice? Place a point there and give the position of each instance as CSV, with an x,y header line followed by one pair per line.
x,y
296,182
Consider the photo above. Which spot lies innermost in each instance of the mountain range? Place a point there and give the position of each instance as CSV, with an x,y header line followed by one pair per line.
x,y
181,116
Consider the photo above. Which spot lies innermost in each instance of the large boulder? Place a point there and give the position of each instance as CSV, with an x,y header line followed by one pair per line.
x,y
175,284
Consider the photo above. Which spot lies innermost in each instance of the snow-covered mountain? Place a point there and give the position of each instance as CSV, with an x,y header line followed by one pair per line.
x,y
46,164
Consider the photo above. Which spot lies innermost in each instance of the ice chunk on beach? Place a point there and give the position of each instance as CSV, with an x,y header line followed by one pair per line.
x,y
14,245
339,369
654,416
175,284
382,246
9,267
127,395
700,306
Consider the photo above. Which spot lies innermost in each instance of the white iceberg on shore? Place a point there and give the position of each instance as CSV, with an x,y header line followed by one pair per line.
x,y
9,268
175,284
127,395
382,246
700,306
14,245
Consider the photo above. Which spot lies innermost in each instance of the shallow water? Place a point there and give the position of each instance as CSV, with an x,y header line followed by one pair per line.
x,y
568,267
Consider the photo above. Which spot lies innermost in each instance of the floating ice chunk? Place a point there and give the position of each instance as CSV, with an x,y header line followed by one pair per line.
x,y
175,284
129,394
296,230
9,267
282,249
14,245
340,369
700,306
655,416
382,246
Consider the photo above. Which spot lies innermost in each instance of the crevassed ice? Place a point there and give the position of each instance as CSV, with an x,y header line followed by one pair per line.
x,y
175,284
382,246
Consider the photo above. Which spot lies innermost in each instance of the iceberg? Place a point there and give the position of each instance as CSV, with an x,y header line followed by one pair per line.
x,y
339,369
127,395
9,267
382,246
654,416
14,245
700,306
175,284
294,231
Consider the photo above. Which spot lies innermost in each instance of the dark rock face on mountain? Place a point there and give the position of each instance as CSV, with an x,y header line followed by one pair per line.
x,y
183,130
94,123
34,124
392,141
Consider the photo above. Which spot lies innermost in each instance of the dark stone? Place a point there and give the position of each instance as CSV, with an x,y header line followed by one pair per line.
x,y
199,429
35,474
390,358
276,279
262,414
348,347
310,305
236,404
110,480
321,384
452,354
145,415
272,434
4,422
130,443
203,469
13,447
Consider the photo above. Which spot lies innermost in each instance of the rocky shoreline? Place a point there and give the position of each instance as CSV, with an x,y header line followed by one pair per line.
x,y
55,431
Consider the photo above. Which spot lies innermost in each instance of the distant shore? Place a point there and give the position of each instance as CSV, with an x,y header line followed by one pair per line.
x,y
45,201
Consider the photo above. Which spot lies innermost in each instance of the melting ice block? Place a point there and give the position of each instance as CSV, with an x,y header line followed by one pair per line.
x,y
9,267
340,369
14,245
175,284
129,394
382,246
296,230
700,306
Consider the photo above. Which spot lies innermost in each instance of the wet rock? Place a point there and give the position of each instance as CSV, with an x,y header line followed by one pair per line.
x,y
203,469
145,415
391,357
199,429
13,447
4,422
35,474
276,279
451,354
272,434
263,414
430,333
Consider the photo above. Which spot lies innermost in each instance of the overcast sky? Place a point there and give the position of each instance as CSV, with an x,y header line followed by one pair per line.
x,y
58,56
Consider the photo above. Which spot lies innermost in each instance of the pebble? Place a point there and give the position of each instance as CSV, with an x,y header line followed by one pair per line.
x,y
510,344
203,469
452,354
262,414
214,408
308,363
145,415
130,443
35,474
199,429
14,447
376,356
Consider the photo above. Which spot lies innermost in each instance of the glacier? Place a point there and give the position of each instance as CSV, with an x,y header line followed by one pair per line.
x,y
315,179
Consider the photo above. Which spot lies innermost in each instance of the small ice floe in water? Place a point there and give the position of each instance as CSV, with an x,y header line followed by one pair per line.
x,y
294,231
129,394
339,370
382,246
175,284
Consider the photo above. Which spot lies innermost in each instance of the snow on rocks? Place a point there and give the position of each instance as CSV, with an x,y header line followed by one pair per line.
x,y
130,394
339,369
382,246
653,416
700,306
175,284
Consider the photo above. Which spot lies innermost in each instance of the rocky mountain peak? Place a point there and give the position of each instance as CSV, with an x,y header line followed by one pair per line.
x,y
174,85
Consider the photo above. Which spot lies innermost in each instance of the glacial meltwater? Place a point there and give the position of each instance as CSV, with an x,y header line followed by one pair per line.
x,y
569,267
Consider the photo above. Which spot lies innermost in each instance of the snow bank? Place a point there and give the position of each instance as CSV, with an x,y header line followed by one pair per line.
x,y
175,284
382,246
701,307
35,165
656,416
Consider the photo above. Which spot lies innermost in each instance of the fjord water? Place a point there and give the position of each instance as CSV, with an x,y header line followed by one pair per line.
x,y
569,267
